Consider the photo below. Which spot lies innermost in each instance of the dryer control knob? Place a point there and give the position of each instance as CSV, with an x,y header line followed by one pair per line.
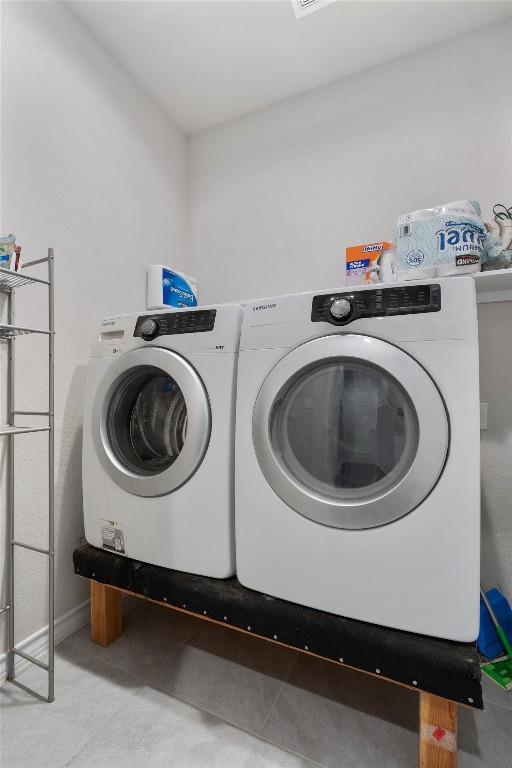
x,y
340,308
149,328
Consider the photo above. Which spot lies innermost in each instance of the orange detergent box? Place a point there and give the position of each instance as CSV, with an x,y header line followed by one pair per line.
x,y
363,262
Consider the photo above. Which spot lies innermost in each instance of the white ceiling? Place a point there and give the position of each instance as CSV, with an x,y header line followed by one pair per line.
x,y
206,61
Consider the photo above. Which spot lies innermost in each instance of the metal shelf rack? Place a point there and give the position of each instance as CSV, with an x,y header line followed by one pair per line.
x,y
9,282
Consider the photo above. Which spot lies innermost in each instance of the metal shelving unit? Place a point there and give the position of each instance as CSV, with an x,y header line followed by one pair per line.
x,y
9,282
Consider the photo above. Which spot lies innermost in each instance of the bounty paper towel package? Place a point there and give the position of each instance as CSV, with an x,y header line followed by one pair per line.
x,y
368,263
441,241
168,288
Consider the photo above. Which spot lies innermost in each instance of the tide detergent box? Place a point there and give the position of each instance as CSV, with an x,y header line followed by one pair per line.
x,y
363,263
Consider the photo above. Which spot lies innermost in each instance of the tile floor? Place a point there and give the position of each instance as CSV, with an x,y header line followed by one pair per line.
x,y
176,692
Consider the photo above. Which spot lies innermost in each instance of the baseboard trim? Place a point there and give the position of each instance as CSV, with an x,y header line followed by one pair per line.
x,y
37,644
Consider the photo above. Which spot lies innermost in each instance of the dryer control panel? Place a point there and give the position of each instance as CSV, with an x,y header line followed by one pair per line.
x,y
149,327
346,306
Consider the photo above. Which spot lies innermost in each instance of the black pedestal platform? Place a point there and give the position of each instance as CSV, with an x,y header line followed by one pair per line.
x,y
440,667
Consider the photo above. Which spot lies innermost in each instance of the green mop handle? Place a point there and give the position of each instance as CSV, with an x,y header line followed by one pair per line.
x,y
499,629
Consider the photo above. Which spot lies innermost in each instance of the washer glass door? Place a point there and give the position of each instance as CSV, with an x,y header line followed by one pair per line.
x,y
147,420
350,431
151,421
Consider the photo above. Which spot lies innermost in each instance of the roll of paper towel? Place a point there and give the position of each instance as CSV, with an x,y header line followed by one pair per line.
x,y
167,287
435,242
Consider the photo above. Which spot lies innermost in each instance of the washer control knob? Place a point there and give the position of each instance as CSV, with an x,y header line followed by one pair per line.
x,y
149,328
340,309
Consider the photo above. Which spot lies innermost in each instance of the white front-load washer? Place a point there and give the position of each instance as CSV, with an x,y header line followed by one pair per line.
x,y
357,454
158,476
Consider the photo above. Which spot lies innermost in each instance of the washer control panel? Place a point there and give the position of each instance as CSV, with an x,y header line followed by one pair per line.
x,y
342,308
149,327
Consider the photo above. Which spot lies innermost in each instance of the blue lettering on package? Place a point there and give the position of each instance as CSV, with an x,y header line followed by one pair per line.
x,y
359,264
461,236
176,291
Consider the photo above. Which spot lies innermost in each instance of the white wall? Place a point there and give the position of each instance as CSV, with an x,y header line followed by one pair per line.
x,y
91,167
277,195
495,329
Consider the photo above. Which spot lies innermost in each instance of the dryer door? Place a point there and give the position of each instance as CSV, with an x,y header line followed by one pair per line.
x,y
350,431
151,421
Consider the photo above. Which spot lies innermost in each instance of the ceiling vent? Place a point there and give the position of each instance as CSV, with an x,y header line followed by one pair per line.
x,y
303,7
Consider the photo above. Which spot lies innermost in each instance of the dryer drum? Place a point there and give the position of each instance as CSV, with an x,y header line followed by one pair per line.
x,y
344,428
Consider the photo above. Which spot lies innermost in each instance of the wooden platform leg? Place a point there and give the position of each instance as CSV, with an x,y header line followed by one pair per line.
x,y
106,614
438,732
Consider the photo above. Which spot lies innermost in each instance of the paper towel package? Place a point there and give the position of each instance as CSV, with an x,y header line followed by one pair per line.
x,y
369,263
441,241
168,288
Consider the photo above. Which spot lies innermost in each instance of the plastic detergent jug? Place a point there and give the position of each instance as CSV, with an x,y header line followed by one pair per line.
x,y
441,241
168,288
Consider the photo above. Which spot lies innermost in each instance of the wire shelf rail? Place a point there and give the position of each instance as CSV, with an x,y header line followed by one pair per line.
x,y
8,331
9,281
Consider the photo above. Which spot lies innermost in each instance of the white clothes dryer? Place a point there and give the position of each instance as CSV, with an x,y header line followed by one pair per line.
x,y
158,476
357,454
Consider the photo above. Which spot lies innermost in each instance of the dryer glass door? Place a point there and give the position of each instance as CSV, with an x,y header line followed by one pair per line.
x,y
350,431
151,421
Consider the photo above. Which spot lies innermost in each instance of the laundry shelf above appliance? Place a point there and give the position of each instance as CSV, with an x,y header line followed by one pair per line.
x,y
10,279
494,285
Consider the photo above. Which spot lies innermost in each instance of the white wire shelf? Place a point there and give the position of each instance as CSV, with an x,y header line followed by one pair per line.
x,y
9,279
8,429
8,331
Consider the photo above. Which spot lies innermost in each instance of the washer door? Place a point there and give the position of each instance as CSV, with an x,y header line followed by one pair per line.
x,y
350,431
151,421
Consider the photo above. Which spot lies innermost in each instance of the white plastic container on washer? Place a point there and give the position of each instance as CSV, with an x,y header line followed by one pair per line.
x,y
167,287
